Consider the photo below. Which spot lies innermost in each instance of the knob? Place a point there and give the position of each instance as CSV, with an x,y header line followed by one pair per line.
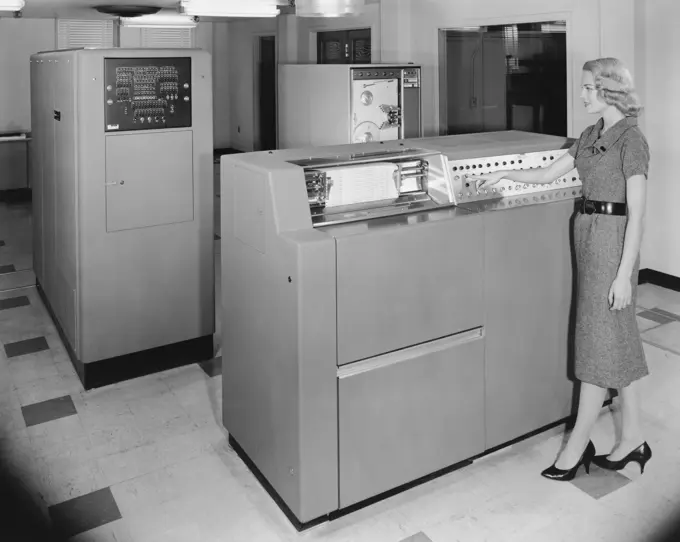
x,y
186,85
186,98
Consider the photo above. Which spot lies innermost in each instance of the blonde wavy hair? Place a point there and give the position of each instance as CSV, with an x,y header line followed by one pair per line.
x,y
614,85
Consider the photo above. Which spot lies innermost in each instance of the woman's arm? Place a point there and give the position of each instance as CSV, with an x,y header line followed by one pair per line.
x,y
542,175
636,197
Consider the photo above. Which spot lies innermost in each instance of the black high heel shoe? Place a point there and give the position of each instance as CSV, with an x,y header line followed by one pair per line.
x,y
553,473
640,455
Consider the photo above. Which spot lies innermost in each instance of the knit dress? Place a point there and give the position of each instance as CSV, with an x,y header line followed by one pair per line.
x,y
608,349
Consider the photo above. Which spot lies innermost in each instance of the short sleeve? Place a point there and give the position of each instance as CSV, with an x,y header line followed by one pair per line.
x,y
573,150
635,155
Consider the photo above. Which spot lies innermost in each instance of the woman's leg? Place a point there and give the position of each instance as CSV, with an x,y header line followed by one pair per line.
x,y
590,403
631,431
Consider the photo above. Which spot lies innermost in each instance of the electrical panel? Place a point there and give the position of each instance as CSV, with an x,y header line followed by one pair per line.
x,y
147,93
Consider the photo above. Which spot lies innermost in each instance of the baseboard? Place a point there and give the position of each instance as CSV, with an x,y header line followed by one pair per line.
x,y
650,276
120,368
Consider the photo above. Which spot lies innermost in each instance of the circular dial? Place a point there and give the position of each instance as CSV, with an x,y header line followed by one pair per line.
x,y
367,97
366,132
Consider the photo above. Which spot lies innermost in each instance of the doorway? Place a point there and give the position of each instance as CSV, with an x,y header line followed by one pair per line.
x,y
267,92
504,77
16,223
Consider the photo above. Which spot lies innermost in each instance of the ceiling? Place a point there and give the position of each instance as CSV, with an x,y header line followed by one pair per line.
x,y
83,9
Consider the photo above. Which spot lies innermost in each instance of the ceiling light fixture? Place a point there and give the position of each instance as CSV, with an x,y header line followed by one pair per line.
x,y
230,8
169,19
12,5
328,8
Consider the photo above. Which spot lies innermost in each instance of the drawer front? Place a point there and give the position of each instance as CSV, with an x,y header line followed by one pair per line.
x,y
409,285
409,413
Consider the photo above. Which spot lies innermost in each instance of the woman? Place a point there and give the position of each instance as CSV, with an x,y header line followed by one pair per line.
x,y
612,158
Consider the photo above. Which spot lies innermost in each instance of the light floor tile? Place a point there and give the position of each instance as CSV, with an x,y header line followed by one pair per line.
x,y
157,442
666,336
650,296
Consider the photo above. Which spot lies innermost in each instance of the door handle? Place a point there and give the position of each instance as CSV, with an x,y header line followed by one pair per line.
x,y
114,183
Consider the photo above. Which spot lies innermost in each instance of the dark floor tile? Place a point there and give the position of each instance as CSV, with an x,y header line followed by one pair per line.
x,y
212,367
655,317
47,411
29,346
600,482
14,302
667,314
84,513
418,537
4,269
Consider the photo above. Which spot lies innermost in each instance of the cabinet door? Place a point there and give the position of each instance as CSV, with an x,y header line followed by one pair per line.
x,y
403,285
408,414
528,297
149,179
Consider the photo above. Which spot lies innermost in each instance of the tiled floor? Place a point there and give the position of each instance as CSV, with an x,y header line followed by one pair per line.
x,y
147,460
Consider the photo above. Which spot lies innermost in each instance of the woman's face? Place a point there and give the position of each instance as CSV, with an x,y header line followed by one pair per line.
x,y
589,95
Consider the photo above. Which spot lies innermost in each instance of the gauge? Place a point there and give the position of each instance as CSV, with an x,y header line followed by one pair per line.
x,y
367,97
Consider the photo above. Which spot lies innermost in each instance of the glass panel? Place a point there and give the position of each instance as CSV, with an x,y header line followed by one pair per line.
x,y
506,77
333,51
362,51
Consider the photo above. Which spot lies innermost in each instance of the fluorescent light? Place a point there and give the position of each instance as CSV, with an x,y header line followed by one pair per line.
x,y
328,8
12,5
159,20
230,8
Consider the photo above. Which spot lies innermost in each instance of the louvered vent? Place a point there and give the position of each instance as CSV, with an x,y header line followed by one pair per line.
x,y
73,34
167,37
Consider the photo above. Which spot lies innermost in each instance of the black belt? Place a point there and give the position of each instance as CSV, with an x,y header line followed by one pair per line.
x,y
588,207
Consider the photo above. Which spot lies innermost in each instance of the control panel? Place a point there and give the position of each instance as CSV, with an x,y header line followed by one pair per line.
x,y
466,190
410,76
147,93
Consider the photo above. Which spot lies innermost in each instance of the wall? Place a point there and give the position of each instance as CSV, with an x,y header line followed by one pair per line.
x,y
308,27
242,39
221,85
584,40
19,39
660,90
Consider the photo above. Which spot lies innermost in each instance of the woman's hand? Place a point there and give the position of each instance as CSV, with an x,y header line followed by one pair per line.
x,y
487,179
620,294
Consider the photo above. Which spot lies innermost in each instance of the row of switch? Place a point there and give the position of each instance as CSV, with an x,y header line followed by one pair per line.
x,y
509,202
502,189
